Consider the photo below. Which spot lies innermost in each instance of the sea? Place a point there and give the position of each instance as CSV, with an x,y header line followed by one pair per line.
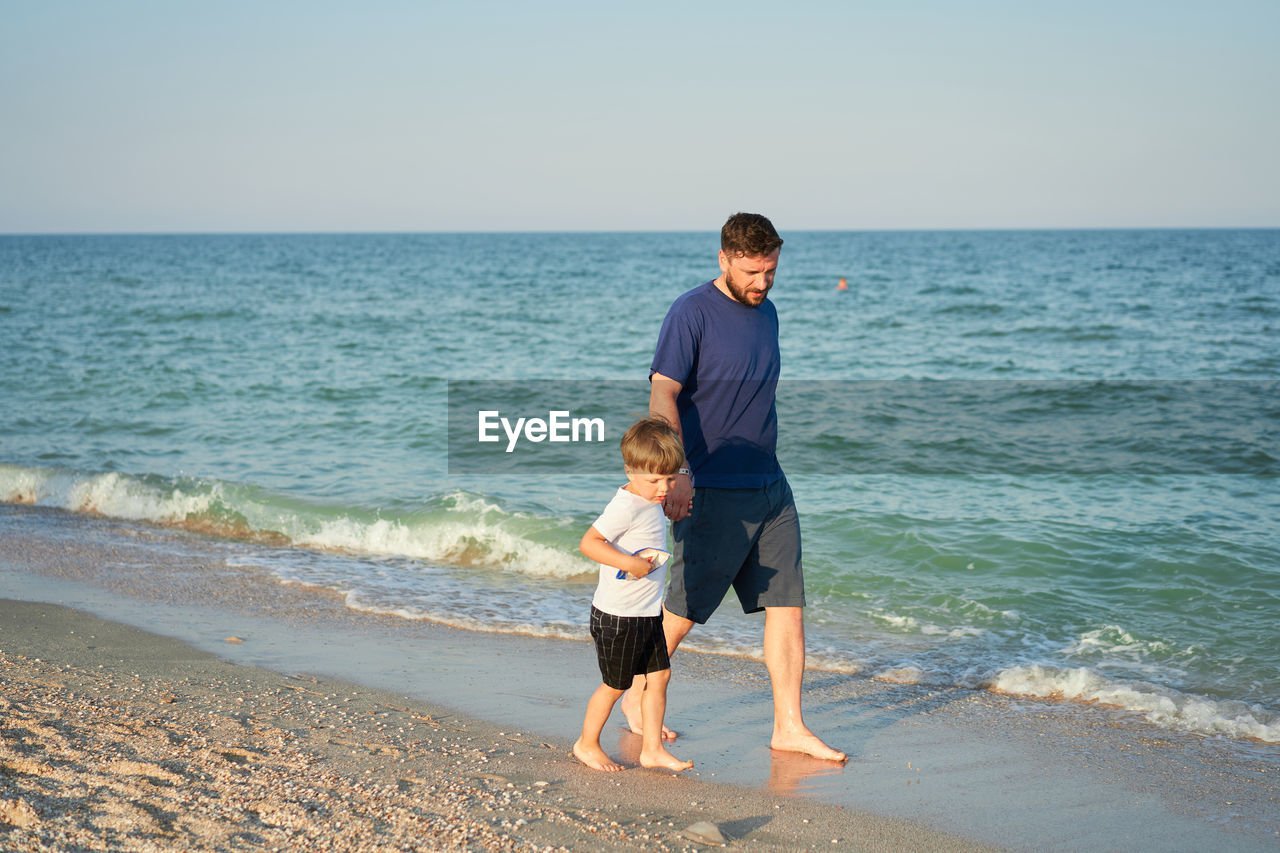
x,y
1041,463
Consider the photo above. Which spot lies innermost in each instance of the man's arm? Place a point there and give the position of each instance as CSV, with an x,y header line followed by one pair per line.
x,y
663,391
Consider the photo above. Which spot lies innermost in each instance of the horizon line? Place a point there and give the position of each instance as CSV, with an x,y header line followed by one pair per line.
x,y
547,231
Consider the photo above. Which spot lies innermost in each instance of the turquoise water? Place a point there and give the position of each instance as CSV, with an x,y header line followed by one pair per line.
x,y
1037,462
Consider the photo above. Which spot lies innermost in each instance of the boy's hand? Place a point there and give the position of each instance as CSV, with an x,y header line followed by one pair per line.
x,y
640,566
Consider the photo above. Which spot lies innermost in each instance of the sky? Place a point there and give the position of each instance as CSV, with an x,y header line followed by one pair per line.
x,y
132,116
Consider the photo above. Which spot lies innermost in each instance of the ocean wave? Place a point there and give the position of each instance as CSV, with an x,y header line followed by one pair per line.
x,y
557,631
1161,706
1113,640
110,494
912,625
477,542
901,675
456,528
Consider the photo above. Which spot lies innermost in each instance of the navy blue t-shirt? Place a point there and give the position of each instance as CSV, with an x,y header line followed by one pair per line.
x,y
725,356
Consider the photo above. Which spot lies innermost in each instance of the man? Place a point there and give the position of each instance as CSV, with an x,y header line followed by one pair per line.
x,y
714,377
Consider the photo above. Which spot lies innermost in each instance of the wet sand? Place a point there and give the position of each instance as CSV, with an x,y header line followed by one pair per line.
x,y
931,768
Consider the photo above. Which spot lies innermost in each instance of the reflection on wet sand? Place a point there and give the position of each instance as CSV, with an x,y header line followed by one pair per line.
x,y
789,771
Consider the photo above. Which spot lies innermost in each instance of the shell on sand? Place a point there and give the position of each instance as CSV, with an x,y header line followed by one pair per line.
x,y
704,832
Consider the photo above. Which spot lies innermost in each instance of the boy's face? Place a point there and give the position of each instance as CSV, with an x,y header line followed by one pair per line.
x,y
650,486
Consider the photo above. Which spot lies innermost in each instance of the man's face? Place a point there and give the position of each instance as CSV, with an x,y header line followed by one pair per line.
x,y
749,277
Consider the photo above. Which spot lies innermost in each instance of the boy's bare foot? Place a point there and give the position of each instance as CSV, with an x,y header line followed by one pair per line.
x,y
594,757
807,743
664,760
631,710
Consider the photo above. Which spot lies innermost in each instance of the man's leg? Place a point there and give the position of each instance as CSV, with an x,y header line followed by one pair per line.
x,y
784,657
674,629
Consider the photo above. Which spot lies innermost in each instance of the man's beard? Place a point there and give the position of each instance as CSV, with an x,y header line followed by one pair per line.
x,y
740,294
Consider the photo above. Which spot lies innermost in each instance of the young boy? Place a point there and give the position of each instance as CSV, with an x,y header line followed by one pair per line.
x,y
626,612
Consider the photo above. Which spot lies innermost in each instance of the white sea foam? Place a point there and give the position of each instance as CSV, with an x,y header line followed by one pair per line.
x,y
902,623
22,485
557,631
832,660
475,532
118,496
473,542
459,501
111,494
1161,706
912,625
901,675
1113,639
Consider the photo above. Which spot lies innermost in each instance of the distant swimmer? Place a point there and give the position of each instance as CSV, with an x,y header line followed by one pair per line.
x,y
844,284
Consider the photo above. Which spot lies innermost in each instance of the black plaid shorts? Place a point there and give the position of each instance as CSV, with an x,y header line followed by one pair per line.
x,y
627,646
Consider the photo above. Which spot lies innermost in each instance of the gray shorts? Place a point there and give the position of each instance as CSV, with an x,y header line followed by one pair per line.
x,y
745,538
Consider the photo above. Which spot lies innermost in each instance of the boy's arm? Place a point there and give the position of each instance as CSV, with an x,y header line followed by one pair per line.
x,y
595,547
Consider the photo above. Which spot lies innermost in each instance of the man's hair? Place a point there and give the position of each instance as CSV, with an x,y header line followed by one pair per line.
x,y
749,235
652,446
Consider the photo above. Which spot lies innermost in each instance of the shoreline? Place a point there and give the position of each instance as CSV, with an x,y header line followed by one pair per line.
x,y
121,739
976,767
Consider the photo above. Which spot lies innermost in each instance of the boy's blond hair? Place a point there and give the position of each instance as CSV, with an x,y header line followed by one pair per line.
x,y
652,446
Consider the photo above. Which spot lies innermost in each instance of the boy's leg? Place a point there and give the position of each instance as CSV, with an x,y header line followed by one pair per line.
x,y
674,629
615,641
652,752
588,749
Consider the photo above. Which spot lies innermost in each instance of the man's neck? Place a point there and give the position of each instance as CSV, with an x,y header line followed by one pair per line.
x,y
723,287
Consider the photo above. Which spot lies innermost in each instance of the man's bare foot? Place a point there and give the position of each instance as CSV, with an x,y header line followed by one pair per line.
x,y
661,759
631,710
595,758
806,743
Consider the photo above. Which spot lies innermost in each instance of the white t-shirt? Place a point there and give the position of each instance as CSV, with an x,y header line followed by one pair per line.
x,y
630,523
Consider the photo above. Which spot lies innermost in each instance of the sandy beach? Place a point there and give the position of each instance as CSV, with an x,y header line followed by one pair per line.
x,y
255,715
117,739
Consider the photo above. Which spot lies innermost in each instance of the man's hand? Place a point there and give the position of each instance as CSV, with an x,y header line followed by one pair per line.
x,y
679,500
